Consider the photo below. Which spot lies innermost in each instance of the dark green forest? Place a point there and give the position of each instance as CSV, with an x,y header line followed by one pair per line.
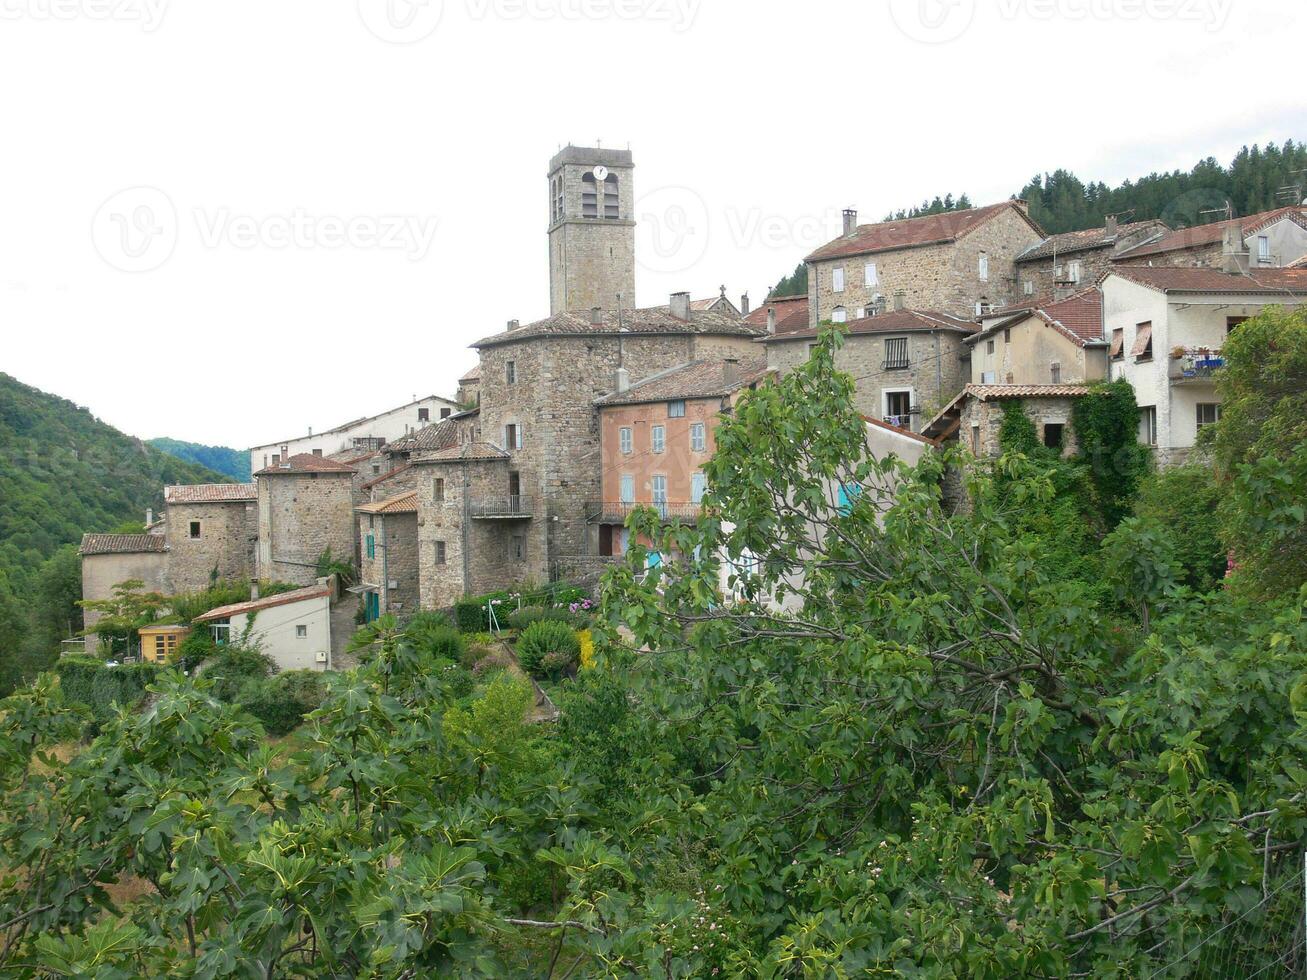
x,y
1257,179
63,472
231,463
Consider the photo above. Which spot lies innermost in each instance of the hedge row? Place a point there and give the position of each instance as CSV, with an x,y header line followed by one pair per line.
x,y
88,681
470,614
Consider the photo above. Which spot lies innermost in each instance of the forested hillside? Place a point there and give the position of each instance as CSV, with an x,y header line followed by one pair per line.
x,y
62,472
1256,180
231,463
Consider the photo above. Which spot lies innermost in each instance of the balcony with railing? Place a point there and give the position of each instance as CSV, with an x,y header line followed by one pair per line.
x,y
513,507
617,511
1195,365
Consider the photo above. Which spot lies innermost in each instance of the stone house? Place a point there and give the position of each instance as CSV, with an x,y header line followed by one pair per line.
x,y
1052,343
655,437
975,416
1064,263
957,262
371,432
293,628
780,314
211,533
905,363
1166,327
1268,240
111,559
469,387
305,506
388,550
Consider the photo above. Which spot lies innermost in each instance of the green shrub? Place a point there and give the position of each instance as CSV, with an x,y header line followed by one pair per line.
x,y
474,653
543,638
195,649
88,681
492,663
231,667
458,680
524,617
281,702
431,634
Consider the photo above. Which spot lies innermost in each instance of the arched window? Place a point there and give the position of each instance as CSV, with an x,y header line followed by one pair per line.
x,y
589,196
556,198
610,196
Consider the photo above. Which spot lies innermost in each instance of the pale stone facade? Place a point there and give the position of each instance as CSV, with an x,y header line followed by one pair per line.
x,y
591,229
301,515
109,560
209,540
390,566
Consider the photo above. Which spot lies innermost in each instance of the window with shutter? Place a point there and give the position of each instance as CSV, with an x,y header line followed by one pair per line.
x,y
896,353
1143,348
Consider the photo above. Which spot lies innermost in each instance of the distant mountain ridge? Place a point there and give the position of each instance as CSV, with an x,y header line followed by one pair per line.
x,y
232,463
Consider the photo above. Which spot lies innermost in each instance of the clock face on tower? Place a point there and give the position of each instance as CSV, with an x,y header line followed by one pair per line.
x,y
601,173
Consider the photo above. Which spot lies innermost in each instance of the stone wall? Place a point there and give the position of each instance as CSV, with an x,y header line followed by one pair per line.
x,y
228,532
943,278
100,573
591,260
395,559
937,369
1207,256
300,516
981,422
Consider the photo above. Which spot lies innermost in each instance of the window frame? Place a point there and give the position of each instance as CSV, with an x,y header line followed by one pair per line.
x,y
1199,424
698,437
982,267
196,531
301,631
658,438
894,345
676,408
442,553
837,279
626,488
698,487
625,440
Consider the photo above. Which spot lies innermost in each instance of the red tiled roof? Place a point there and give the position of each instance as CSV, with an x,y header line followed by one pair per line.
x,y
257,605
210,493
121,544
473,375
932,229
1214,232
895,321
473,451
306,463
404,503
998,392
654,320
899,430
1300,264
791,314
1079,318
384,477
1180,279
698,379
438,435
1085,239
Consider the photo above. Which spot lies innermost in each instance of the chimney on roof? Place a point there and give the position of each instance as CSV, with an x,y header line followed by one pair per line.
x,y
596,316
730,370
623,379
513,324
1112,226
149,517
680,306
1234,254
744,304
771,319
900,300
1062,292
850,221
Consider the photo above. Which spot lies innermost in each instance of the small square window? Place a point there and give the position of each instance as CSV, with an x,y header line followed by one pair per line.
x,y
301,632
195,530
445,412
317,452
676,409
1053,435
989,347
1209,413
839,315
424,415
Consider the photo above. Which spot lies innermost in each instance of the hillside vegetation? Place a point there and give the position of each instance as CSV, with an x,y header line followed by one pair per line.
x,y
63,472
231,463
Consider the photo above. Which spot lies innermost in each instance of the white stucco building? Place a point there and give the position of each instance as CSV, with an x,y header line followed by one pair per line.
x,y
293,628
1166,327
372,432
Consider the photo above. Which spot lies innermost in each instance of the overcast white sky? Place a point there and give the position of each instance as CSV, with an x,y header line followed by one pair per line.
x,y
228,221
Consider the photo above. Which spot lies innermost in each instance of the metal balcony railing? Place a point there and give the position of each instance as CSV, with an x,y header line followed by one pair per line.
x,y
902,421
511,507
617,511
1195,364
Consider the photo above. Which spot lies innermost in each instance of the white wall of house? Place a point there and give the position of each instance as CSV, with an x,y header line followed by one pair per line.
x,y
1286,242
276,633
387,426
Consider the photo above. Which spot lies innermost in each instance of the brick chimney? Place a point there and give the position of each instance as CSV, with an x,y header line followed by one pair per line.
x,y
1234,254
680,306
850,221
596,316
744,304
730,370
771,319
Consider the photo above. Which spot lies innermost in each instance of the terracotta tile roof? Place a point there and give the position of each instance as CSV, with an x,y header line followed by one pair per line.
x,y
654,320
384,477
438,435
1079,318
473,375
1214,233
1088,238
895,321
352,457
1180,279
1300,264
473,451
998,392
306,463
932,229
269,602
791,314
698,379
899,430
121,544
210,493
404,503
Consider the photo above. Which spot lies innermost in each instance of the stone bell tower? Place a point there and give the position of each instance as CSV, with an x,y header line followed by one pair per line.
x,y
591,229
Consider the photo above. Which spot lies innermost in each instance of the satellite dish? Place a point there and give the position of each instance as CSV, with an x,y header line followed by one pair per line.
x,y
601,173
